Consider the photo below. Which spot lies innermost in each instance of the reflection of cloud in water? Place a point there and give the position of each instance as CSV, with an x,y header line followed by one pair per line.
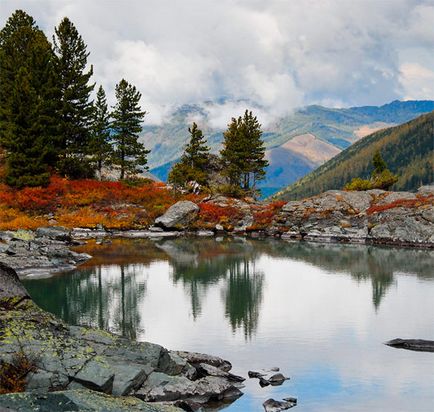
x,y
314,310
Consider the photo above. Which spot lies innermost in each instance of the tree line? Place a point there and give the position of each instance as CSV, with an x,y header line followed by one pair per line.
x,y
49,122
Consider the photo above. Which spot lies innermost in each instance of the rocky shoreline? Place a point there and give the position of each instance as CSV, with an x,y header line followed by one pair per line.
x,y
75,361
371,217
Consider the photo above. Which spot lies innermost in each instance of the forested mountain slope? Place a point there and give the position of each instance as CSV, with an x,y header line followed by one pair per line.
x,y
408,150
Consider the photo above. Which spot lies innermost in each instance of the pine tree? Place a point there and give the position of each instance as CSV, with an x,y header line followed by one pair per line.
x,y
194,161
129,154
100,147
243,152
379,163
27,96
76,106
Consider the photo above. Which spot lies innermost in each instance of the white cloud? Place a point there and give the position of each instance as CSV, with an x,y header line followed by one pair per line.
x,y
417,81
276,54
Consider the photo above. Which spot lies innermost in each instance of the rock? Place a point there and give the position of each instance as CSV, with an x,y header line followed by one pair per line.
x,y
96,375
171,363
204,369
128,377
263,382
178,216
198,358
161,387
412,344
426,190
205,233
77,400
12,291
277,379
253,374
54,233
219,227
271,405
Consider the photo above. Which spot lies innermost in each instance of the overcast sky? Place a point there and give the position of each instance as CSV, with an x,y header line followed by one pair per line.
x,y
279,54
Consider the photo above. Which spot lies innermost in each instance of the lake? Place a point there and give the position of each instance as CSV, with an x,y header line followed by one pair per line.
x,y
319,312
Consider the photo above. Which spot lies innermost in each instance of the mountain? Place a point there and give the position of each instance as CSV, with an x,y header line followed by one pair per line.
x,y
296,144
408,150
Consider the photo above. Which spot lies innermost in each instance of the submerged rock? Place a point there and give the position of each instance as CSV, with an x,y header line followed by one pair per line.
x,y
271,405
412,344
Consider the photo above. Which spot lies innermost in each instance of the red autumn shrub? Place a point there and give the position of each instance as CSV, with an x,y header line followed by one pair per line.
x,y
409,203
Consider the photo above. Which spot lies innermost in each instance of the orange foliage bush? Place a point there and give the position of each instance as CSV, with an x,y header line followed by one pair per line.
x,y
13,219
13,375
84,203
263,217
410,203
212,214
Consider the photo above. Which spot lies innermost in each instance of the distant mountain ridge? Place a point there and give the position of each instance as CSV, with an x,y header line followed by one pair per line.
x,y
296,144
408,150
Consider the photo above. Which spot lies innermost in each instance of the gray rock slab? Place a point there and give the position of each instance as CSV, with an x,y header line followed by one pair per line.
x,y
197,358
78,400
178,216
96,375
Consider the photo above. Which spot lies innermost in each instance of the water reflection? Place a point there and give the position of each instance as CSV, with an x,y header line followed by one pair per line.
x,y
109,290
319,312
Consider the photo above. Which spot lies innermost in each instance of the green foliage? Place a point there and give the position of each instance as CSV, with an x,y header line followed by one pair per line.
x,y
129,154
26,101
100,147
243,152
194,162
358,184
407,149
379,163
381,177
76,109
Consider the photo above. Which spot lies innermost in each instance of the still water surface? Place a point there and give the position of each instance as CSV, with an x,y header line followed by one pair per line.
x,y
319,312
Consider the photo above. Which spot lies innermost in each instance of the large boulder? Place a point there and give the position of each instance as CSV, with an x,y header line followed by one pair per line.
x,y
178,216
12,290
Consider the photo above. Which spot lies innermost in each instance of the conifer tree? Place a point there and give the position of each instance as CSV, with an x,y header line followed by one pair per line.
x,y
194,161
128,153
76,107
27,96
243,152
100,147
379,163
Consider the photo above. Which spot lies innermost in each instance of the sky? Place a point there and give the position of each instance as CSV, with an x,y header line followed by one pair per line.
x,y
273,54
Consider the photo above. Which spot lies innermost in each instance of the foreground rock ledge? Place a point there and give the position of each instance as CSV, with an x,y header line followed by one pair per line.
x,y
70,358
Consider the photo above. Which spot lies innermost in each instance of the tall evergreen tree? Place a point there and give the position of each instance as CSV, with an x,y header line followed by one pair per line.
x,y
76,106
129,154
194,161
243,152
100,147
27,96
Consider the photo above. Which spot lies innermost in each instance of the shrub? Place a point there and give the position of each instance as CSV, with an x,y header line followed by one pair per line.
x,y
358,184
13,374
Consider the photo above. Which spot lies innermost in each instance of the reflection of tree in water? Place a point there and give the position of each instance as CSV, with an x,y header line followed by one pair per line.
x,y
243,295
200,264
103,297
379,264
